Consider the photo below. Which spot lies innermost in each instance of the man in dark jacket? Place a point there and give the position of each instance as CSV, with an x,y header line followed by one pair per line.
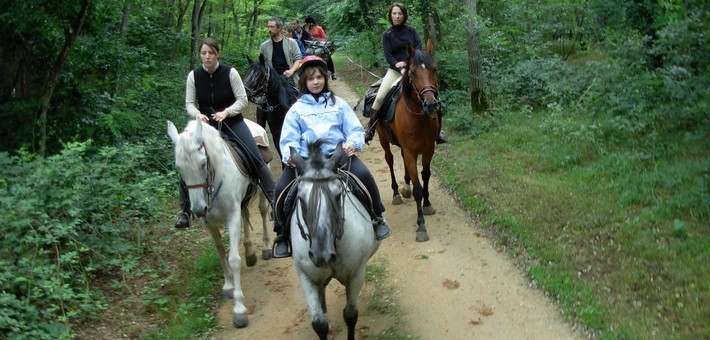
x,y
298,31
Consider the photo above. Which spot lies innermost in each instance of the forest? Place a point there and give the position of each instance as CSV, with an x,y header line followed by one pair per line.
x,y
604,99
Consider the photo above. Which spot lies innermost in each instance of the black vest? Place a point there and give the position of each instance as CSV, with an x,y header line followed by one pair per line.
x,y
213,91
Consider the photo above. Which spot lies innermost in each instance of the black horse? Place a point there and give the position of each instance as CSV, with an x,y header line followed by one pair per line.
x,y
272,93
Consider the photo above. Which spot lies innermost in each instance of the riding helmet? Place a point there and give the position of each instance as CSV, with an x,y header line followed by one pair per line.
x,y
311,60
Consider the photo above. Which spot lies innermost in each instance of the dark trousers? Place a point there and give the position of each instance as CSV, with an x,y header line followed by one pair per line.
x,y
237,131
356,166
331,66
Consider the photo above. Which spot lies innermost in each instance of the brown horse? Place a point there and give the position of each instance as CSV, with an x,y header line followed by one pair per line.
x,y
414,129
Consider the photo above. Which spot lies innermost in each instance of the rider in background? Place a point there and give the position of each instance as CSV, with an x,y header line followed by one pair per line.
x,y
289,33
279,53
215,94
394,43
300,33
318,33
319,114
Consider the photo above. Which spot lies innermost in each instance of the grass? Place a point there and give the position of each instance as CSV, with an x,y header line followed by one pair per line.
x,y
620,241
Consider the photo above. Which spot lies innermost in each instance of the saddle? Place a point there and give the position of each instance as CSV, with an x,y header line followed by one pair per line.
x,y
389,103
245,163
286,202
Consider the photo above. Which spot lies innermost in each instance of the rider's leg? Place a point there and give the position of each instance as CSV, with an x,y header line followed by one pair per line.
x,y
282,246
331,67
183,216
240,131
382,229
390,77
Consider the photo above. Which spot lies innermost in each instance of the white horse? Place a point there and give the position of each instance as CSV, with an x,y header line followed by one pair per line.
x,y
219,194
331,235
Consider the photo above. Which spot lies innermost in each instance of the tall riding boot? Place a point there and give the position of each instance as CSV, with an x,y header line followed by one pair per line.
x,y
440,139
182,220
267,183
371,124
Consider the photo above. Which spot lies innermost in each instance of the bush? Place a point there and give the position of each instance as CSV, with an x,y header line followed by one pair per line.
x,y
69,218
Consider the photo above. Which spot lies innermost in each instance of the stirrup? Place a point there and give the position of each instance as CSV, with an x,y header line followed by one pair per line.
x,y
281,247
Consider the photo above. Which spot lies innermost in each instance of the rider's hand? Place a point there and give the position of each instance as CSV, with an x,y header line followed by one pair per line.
x,y
349,149
288,73
202,117
220,116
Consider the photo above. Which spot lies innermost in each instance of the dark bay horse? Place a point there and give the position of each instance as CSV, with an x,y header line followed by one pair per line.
x,y
414,129
272,93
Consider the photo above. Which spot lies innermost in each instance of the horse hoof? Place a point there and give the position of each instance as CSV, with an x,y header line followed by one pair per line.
x,y
240,320
397,200
428,210
228,294
251,260
266,255
422,236
406,192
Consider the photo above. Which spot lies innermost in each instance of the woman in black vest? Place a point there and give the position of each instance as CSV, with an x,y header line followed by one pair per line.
x,y
215,94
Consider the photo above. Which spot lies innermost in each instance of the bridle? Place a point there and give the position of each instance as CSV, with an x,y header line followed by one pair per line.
x,y
260,94
420,93
209,180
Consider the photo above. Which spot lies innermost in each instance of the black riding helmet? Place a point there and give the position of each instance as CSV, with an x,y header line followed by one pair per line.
x,y
311,60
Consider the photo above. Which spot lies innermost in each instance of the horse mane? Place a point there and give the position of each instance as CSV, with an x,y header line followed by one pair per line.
x,y
317,168
420,57
287,96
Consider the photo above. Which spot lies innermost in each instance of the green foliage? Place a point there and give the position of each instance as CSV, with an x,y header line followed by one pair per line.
x,y
69,219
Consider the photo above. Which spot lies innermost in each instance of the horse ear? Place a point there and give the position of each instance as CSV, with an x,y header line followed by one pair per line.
x,y
296,159
334,160
262,60
429,46
410,50
172,132
249,61
197,136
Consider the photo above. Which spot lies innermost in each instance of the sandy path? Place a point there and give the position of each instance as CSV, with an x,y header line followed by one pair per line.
x,y
455,286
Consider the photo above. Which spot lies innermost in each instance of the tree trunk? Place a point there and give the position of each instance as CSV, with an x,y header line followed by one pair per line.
x,y
479,102
122,41
70,35
195,32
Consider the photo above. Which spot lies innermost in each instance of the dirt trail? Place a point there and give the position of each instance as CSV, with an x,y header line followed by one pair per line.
x,y
455,286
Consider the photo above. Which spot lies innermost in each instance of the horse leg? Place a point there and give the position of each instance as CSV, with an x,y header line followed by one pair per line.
x,y
428,209
350,312
239,312
410,162
406,188
249,253
266,242
315,297
228,288
276,122
384,142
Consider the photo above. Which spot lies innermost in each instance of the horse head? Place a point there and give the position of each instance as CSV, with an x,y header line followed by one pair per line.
x,y
192,162
320,200
256,80
423,80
